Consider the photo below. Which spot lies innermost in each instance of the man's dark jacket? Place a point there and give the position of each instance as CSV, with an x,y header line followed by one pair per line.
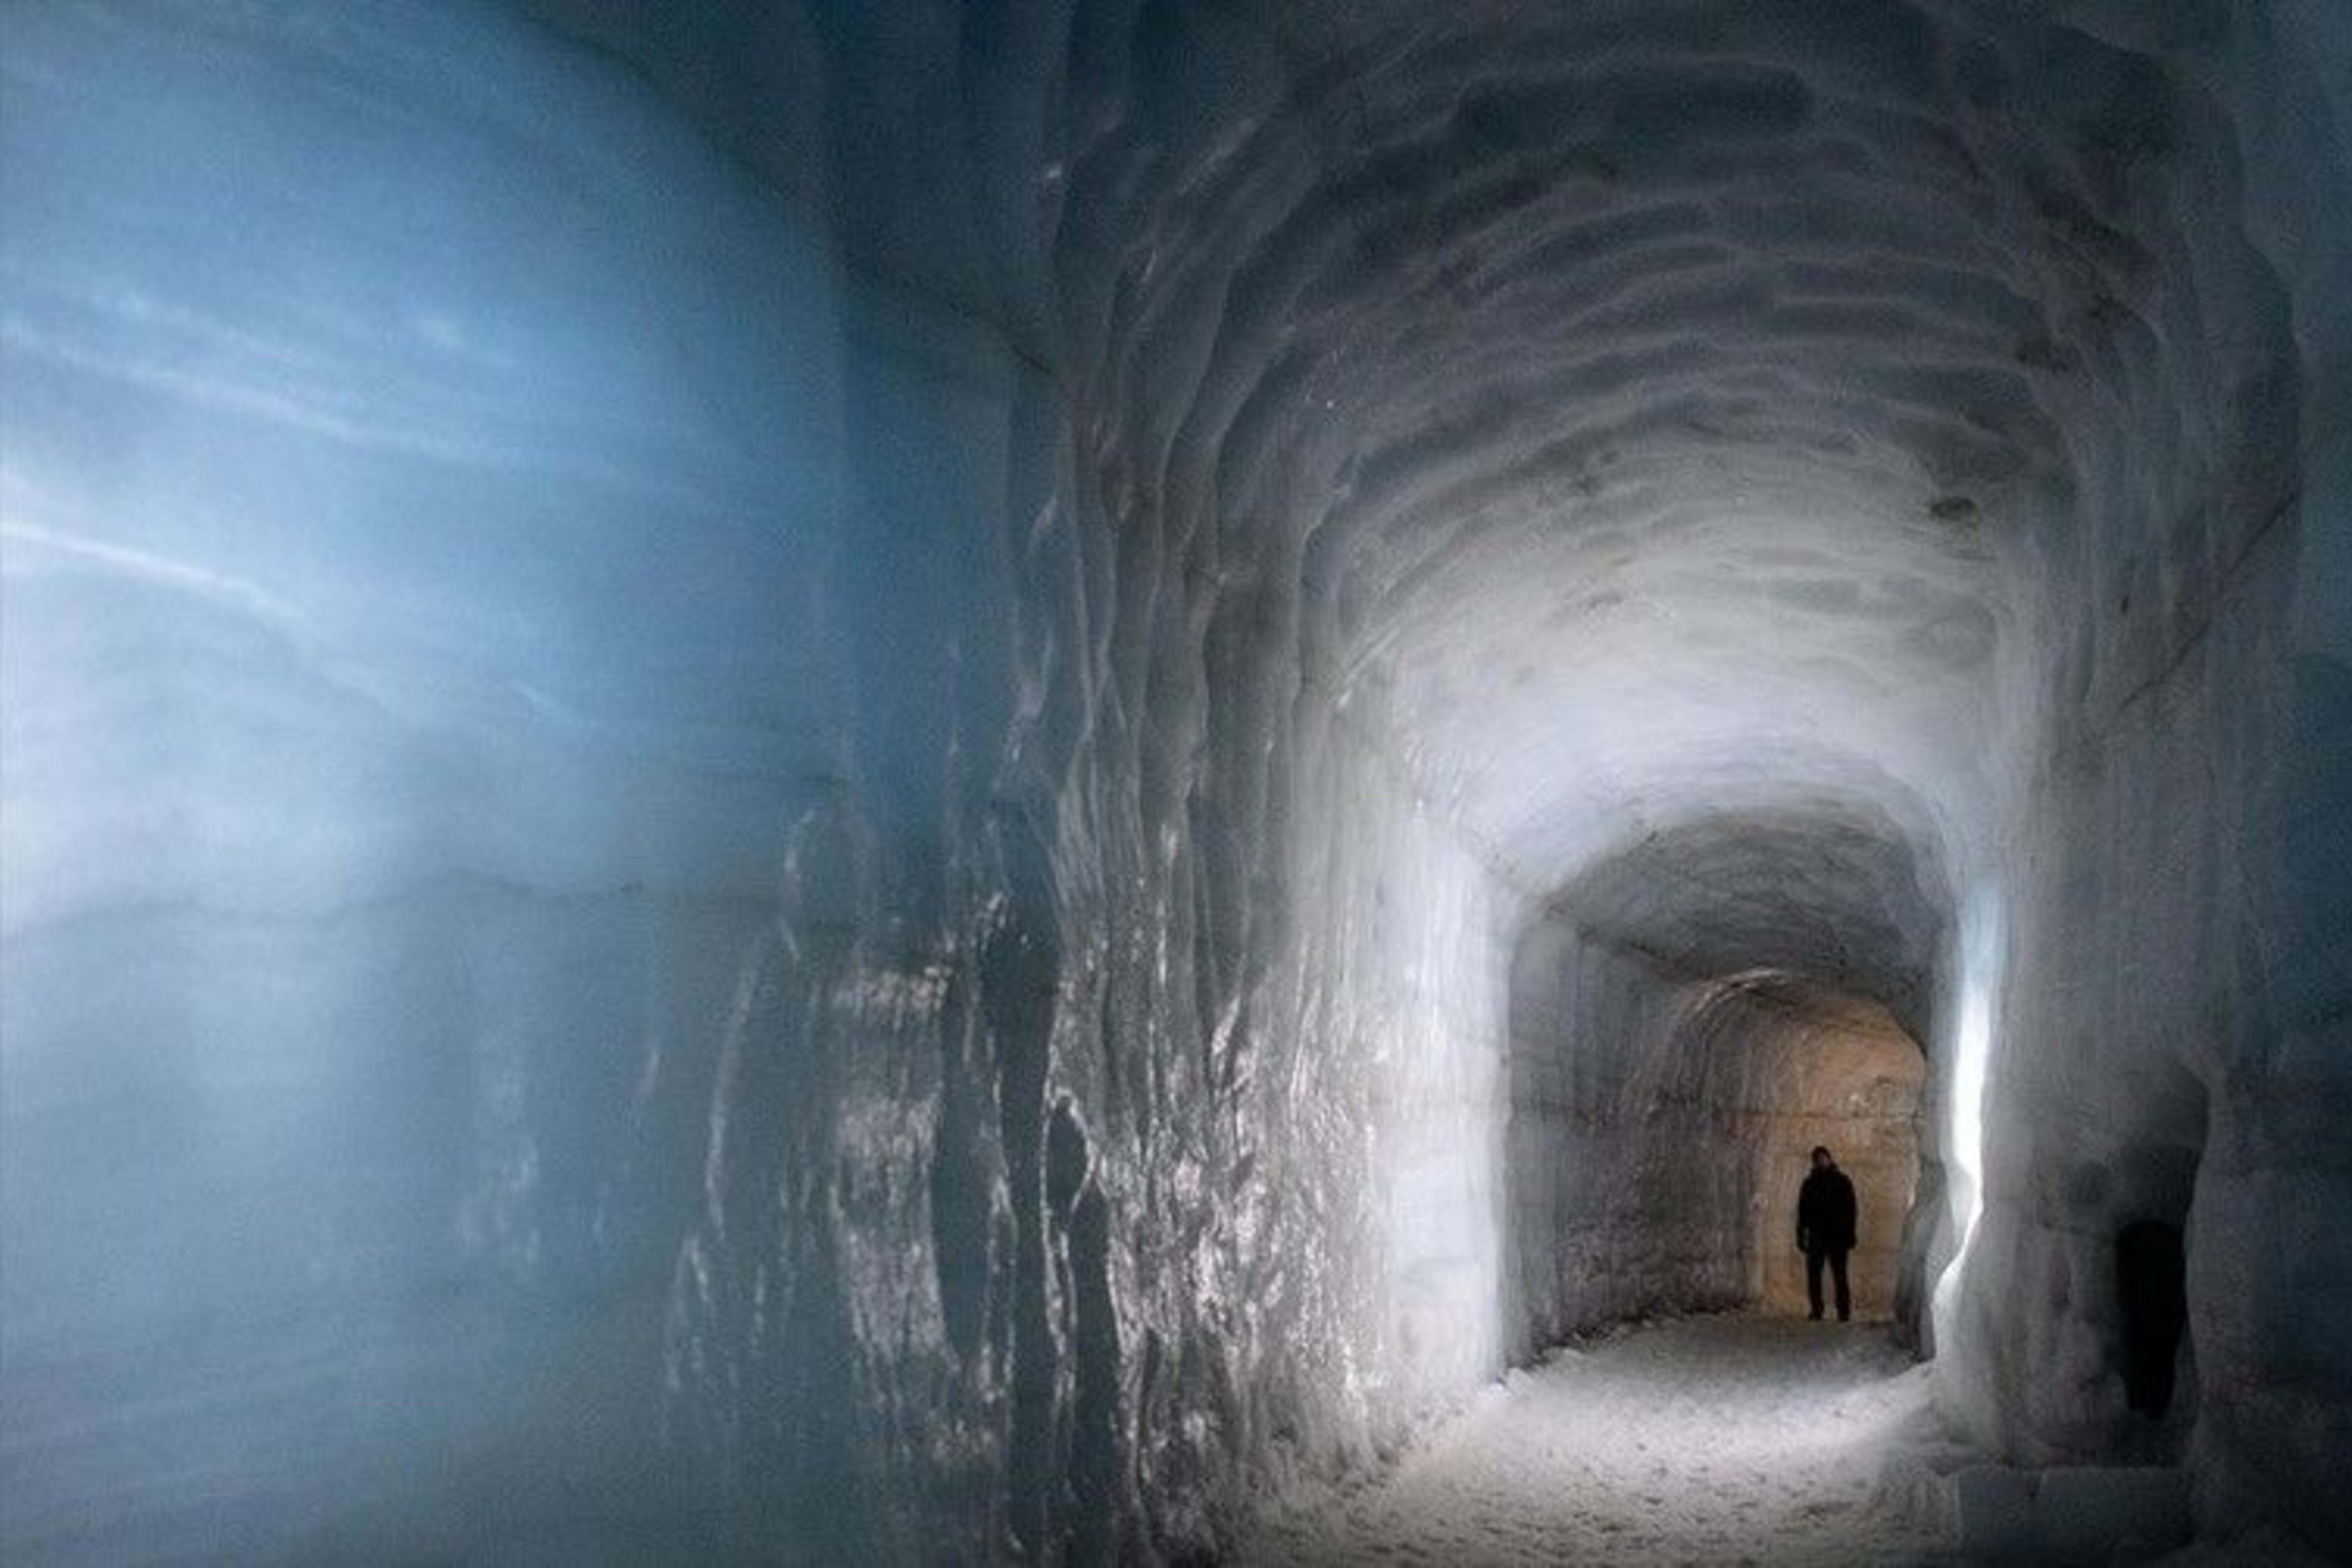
x,y
1825,1212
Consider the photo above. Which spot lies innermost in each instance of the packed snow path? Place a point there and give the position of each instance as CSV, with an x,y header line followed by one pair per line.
x,y
1713,1440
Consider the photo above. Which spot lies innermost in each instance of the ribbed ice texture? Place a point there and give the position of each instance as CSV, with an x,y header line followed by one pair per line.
x,y
802,783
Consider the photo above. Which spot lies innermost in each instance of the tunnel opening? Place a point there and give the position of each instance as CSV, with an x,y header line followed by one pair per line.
x,y
1671,1156
2152,1305
2139,1201
1688,1022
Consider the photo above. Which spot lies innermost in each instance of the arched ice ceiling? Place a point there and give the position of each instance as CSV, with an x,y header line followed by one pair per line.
x,y
1669,410
1637,412
1824,914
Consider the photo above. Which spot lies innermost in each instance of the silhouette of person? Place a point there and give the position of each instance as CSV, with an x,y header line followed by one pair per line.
x,y
1825,1231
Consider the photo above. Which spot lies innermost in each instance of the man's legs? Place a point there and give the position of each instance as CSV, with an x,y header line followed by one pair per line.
x,y
1813,1255
1844,1296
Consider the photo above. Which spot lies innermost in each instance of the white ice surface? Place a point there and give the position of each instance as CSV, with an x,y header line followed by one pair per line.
x,y
1722,1440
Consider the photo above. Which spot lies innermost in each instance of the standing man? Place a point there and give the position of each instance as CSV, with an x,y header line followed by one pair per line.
x,y
1825,1231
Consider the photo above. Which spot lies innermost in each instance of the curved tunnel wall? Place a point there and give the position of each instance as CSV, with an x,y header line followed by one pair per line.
x,y
784,766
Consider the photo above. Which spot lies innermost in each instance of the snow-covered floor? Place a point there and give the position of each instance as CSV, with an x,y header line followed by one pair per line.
x,y
1710,1440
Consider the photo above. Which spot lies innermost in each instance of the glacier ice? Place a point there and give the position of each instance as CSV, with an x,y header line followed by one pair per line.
x,y
932,782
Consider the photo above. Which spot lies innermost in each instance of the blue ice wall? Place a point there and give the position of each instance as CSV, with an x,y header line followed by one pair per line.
x,y
422,460
618,939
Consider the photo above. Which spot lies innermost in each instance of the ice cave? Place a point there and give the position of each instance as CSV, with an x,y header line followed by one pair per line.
x,y
1121,781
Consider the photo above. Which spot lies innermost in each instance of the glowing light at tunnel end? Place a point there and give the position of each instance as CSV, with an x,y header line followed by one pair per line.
x,y
1981,939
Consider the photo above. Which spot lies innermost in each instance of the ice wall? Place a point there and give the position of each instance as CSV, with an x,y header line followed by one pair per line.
x,y
420,456
777,782
2161,1018
584,974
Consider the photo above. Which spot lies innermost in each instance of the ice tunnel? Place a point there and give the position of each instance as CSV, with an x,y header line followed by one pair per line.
x,y
925,781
